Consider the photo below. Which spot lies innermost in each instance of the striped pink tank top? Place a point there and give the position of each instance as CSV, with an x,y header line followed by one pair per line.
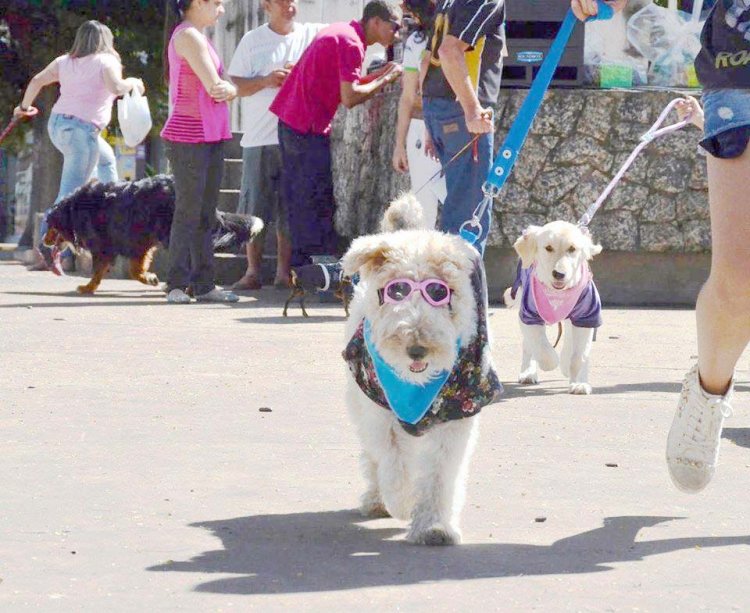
x,y
194,117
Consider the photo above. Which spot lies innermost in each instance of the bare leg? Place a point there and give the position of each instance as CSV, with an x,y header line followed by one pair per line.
x,y
723,307
283,259
252,279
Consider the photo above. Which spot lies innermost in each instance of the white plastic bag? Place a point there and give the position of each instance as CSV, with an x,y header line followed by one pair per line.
x,y
669,39
134,117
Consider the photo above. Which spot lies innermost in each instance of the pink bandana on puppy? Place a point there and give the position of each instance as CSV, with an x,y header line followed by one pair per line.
x,y
555,305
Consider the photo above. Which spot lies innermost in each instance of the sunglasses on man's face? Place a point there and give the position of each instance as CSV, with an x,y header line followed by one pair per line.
x,y
435,291
395,24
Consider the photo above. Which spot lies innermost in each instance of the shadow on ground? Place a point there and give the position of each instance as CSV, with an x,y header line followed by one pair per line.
x,y
338,550
739,436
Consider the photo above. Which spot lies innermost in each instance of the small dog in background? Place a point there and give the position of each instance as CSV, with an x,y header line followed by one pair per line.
x,y
420,370
556,286
319,277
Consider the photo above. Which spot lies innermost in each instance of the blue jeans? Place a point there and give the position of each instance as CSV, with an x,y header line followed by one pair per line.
x,y
465,176
85,154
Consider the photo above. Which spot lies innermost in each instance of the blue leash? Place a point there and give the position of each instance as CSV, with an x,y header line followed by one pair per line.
x,y
471,230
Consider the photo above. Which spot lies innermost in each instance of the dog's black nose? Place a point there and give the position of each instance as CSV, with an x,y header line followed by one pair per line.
x,y
558,275
416,352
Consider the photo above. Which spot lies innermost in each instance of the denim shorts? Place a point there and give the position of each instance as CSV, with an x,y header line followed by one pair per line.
x,y
727,122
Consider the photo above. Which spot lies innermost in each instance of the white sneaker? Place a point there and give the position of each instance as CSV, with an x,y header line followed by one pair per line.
x,y
177,296
217,295
693,441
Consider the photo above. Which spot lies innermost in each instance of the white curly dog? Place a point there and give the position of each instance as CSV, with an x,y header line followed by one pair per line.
x,y
418,314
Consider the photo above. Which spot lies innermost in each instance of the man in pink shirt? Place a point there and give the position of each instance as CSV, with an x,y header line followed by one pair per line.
x,y
327,74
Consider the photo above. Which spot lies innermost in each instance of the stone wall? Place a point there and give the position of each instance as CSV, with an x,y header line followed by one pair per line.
x,y
577,143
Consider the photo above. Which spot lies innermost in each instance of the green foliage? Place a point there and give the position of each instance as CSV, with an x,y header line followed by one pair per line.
x,y
34,32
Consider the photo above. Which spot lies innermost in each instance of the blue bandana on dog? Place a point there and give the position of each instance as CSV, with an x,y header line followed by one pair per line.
x,y
460,393
409,401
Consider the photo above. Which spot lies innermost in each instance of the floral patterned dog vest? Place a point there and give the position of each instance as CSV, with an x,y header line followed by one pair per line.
x,y
466,390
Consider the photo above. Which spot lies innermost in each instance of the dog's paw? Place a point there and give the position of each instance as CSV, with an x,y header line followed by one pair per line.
x,y
528,378
435,535
150,278
579,389
84,290
373,510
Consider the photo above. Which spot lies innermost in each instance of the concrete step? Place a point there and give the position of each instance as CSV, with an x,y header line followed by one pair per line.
x,y
228,199
8,251
232,176
228,267
232,148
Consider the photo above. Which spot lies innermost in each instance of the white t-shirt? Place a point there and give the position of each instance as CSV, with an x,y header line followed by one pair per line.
x,y
260,52
415,45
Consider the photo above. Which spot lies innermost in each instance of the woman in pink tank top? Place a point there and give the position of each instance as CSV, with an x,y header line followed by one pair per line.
x,y
90,78
195,131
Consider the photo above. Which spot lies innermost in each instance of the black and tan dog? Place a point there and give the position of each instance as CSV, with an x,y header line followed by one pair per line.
x,y
320,277
130,219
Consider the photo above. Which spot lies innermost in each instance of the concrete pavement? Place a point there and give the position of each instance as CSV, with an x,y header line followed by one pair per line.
x,y
139,473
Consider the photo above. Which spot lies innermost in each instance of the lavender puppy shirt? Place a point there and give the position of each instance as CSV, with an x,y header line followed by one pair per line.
x,y
542,305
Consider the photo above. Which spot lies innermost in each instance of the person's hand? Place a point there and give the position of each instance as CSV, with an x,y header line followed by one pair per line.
x,y
400,161
223,91
276,78
429,146
29,112
480,122
583,9
136,84
690,107
391,72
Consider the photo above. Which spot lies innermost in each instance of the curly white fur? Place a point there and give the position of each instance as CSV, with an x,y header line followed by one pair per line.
x,y
421,479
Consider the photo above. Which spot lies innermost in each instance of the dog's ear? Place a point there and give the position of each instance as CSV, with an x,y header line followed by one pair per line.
x,y
366,252
589,248
525,246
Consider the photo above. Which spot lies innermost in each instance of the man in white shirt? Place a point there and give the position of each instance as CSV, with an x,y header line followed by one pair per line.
x,y
260,65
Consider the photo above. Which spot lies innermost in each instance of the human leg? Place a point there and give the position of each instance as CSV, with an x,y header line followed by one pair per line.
x,y
106,166
280,216
421,170
202,252
189,184
465,175
722,309
283,258
251,204
77,140
307,191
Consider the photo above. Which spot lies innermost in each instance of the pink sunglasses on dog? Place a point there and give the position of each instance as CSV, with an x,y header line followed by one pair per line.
x,y
434,291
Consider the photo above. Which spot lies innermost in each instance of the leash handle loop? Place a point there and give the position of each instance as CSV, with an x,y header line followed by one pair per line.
x,y
654,132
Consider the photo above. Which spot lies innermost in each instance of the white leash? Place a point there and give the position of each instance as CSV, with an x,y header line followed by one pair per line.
x,y
654,132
